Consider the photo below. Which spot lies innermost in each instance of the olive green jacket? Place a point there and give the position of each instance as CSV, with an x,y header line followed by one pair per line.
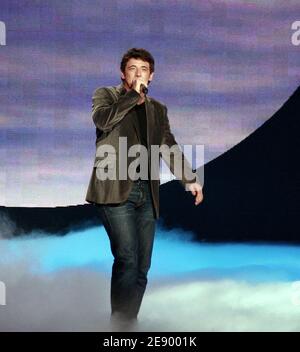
x,y
111,110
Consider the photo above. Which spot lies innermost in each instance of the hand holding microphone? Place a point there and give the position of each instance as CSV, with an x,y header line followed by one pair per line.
x,y
139,86
144,89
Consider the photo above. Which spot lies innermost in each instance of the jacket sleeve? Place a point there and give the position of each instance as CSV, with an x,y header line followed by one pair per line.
x,y
106,112
178,164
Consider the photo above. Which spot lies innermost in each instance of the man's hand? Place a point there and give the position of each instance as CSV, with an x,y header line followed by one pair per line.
x,y
196,190
136,85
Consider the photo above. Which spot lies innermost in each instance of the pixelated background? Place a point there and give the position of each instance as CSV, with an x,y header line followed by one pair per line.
x,y
222,68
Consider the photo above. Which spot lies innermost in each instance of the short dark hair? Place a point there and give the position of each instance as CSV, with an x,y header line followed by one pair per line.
x,y
137,53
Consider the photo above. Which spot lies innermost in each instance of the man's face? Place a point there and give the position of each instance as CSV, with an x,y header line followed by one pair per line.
x,y
136,68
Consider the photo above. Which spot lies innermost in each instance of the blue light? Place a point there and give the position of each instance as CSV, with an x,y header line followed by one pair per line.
x,y
174,255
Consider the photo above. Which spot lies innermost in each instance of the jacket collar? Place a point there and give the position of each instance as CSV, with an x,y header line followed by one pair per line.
x,y
149,111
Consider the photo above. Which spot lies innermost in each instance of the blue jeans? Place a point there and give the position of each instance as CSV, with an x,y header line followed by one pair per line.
x,y
130,226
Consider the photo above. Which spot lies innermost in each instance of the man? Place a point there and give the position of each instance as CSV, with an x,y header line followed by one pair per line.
x,y
129,206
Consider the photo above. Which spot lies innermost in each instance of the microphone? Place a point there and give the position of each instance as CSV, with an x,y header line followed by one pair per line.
x,y
144,89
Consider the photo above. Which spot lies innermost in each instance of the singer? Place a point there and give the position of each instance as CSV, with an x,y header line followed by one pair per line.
x,y
129,208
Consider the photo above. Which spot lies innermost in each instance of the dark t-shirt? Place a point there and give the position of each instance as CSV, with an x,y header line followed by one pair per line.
x,y
141,123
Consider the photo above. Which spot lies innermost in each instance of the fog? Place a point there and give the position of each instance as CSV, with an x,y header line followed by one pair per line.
x,y
62,284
